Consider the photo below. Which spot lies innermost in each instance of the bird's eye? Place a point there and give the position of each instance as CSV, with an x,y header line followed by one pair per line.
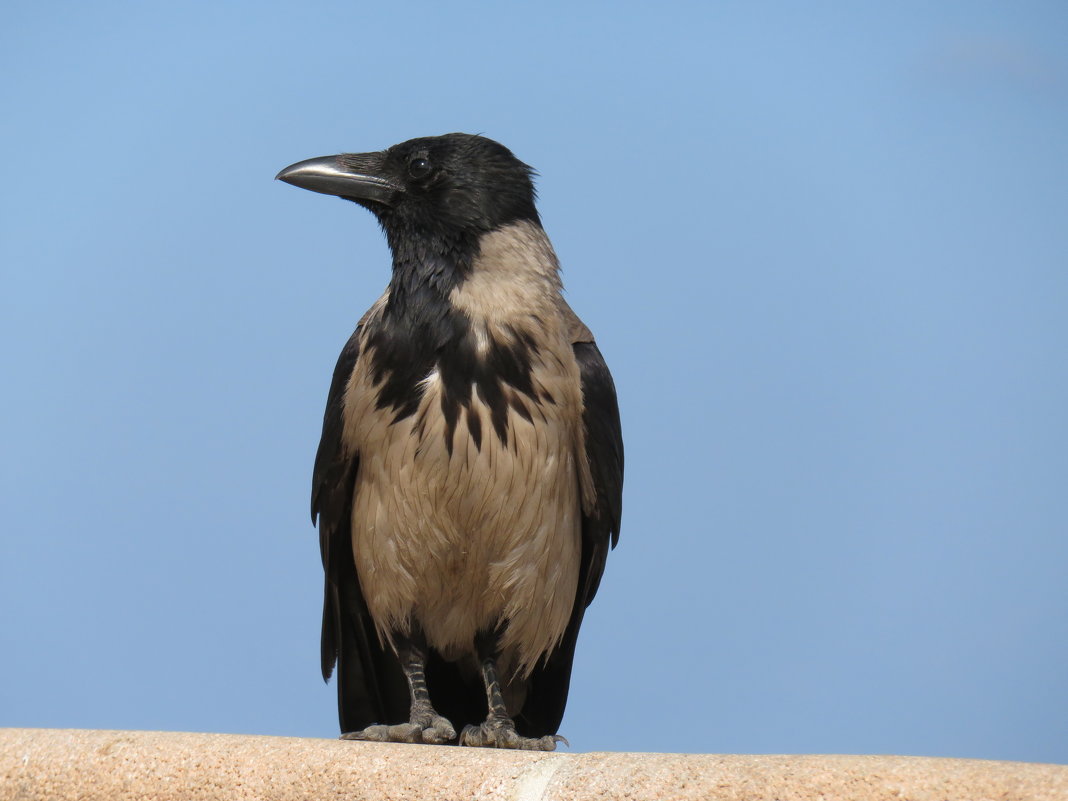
x,y
419,167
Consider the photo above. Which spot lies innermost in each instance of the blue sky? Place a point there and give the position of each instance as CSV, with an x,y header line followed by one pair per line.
x,y
823,247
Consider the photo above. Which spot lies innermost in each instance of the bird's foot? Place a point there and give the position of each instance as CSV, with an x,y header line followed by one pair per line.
x,y
501,733
428,727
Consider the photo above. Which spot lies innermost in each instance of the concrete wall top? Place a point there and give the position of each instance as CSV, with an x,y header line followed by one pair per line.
x,y
58,764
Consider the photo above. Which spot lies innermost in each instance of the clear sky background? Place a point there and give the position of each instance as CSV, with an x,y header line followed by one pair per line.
x,y
824,248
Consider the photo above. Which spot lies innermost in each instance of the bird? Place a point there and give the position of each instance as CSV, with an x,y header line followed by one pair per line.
x,y
468,481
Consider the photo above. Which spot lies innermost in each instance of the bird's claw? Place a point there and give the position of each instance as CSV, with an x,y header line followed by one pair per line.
x,y
433,731
502,734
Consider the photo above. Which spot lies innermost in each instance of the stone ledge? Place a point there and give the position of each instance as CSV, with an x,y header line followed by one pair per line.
x,y
58,764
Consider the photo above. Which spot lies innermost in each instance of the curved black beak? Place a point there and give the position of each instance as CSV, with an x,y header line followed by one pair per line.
x,y
355,176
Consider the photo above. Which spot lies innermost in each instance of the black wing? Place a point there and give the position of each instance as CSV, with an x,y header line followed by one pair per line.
x,y
547,693
371,686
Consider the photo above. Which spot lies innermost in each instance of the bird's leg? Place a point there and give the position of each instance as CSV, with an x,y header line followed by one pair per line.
x,y
424,724
498,730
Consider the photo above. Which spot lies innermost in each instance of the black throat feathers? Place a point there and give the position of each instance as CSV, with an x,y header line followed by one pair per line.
x,y
421,333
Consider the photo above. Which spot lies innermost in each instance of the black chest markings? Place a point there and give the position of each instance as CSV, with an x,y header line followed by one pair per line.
x,y
404,353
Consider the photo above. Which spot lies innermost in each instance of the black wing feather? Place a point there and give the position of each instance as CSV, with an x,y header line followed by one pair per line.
x,y
371,686
547,693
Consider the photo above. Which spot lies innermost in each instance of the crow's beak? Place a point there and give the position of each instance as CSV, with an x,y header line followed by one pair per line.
x,y
354,176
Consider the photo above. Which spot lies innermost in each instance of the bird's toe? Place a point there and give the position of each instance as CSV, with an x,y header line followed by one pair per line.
x,y
375,734
398,733
439,731
502,734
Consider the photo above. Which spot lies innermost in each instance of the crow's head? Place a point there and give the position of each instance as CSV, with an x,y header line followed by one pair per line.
x,y
438,185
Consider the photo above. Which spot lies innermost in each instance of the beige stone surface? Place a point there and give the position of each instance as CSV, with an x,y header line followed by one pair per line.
x,y
60,764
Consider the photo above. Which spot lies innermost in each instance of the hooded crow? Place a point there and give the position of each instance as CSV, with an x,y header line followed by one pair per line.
x,y
469,479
